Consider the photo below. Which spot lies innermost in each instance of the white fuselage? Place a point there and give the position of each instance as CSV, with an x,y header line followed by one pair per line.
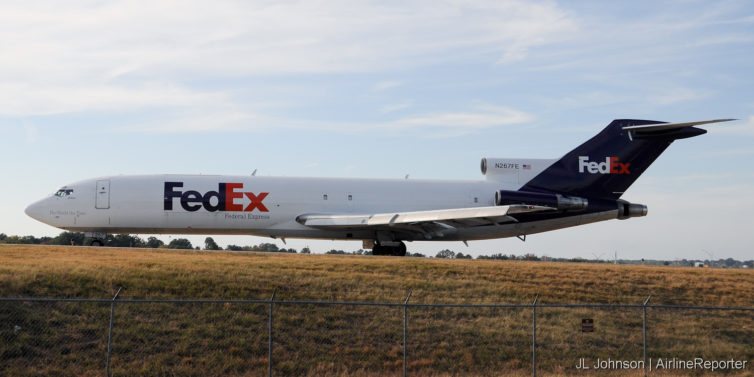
x,y
269,206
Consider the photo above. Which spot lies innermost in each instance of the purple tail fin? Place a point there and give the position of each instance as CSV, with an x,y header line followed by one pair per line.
x,y
606,165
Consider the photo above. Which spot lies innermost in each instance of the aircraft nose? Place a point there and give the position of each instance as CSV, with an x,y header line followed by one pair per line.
x,y
34,210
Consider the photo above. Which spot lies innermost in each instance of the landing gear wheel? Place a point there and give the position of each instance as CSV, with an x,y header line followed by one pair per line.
x,y
399,249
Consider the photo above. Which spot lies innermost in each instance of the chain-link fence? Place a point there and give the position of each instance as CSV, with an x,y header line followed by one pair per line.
x,y
274,336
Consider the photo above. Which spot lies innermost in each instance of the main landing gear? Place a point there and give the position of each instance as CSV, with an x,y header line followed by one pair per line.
x,y
389,248
98,238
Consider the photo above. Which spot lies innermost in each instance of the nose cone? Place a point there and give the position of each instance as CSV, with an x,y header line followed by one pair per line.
x,y
35,210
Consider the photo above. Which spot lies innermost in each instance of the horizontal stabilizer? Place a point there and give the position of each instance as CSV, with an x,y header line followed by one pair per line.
x,y
670,126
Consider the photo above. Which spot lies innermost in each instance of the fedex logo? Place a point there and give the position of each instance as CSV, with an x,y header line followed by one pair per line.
x,y
226,196
611,165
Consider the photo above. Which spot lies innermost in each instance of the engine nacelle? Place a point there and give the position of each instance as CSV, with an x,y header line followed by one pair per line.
x,y
560,202
515,171
628,210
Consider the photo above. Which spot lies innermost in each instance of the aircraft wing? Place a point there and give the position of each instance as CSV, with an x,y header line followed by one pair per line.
x,y
424,222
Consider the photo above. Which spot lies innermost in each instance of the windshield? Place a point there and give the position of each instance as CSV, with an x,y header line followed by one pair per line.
x,y
64,192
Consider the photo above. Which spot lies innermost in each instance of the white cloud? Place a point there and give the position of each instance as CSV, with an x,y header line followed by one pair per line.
x,y
483,117
732,152
396,106
677,95
204,120
739,128
79,56
383,85
446,124
25,99
31,133
117,38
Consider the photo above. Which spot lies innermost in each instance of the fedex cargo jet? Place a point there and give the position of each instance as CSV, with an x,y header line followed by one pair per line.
x,y
517,197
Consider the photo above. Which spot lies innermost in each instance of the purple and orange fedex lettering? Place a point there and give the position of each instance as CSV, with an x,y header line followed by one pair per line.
x,y
612,165
231,195
226,195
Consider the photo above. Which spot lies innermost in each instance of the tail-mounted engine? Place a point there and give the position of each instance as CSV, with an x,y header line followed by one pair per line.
x,y
627,210
557,201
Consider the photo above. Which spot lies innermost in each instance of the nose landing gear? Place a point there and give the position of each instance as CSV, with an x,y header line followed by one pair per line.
x,y
389,248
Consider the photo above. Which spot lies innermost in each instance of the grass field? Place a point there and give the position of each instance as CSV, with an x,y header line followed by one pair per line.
x,y
231,339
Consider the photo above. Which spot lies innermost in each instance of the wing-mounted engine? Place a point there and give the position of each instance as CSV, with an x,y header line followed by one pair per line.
x,y
555,201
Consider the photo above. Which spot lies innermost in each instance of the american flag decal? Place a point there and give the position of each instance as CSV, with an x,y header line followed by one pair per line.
x,y
527,167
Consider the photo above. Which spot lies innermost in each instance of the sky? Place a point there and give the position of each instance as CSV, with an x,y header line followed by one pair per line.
x,y
380,90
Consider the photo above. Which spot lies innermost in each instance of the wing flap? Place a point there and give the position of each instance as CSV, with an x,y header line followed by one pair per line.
x,y
455,217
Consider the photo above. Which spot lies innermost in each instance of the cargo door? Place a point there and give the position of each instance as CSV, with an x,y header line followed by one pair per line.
x,y
103,194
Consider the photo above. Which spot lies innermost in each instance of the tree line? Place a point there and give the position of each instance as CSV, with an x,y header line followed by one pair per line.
x,y
127,240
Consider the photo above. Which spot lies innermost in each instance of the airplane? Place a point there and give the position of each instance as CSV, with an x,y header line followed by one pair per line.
x,y
516,198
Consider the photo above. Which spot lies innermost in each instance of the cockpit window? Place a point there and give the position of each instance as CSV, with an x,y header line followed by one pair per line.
x,y
63,192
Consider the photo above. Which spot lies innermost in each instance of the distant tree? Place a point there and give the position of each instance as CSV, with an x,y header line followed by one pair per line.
x,y
418,255
333,251
269,247
498,256
210,244
154,242
234,248
445,254
65,238
124,240
306,250
180,243
3,236
462,256
26,240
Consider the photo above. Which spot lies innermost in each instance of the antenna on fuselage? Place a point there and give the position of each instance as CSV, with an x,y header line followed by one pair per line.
x,y
254,172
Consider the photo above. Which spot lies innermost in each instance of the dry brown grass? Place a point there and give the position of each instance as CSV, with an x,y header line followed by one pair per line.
x,y
231,339
57,271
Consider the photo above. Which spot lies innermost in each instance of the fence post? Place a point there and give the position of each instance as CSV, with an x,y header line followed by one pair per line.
x,y
534,336
269,356
405,329
644,307
110,333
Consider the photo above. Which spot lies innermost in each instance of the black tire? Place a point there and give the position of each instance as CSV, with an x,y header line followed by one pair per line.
x,y
398,251
401,250
96,243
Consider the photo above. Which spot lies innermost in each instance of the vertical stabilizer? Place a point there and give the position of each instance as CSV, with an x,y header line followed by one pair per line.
x,y
606,165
